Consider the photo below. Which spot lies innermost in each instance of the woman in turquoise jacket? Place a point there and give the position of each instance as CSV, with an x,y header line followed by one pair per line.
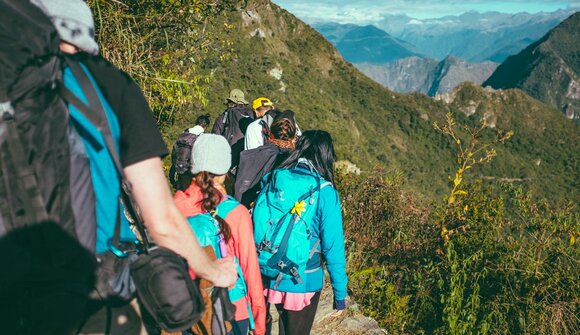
x,y
296,295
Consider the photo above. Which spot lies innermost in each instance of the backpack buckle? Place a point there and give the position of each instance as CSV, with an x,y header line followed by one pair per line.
x,y
282,265
267,246
6,111
294,272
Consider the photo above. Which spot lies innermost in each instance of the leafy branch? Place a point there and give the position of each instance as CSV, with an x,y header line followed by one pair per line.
x,y
471,152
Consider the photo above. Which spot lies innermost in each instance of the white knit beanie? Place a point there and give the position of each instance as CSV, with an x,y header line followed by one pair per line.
x,y
211,153
73,21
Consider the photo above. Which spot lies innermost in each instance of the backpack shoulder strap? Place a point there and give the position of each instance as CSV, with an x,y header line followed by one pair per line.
x,y
96,114
324,184
226,206
31,198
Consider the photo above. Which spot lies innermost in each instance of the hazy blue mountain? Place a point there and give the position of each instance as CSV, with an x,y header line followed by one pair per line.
x,y
366,44
548,70
427,75
473,36
334,32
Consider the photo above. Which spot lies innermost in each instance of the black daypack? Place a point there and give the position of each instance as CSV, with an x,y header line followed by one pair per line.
x,y
179,173
255,164
181,153
230,128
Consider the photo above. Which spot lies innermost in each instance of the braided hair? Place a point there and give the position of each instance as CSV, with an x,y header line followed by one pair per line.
x,y
211,198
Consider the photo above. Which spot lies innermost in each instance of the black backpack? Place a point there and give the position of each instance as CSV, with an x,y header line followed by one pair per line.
x,y
255,164
34,142
228,125
179,174
181,154
47,275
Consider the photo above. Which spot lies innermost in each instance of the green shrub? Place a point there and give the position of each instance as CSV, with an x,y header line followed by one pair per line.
x,y
490,259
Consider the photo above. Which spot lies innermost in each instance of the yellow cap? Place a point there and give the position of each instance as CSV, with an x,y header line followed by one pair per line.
x,y
261,102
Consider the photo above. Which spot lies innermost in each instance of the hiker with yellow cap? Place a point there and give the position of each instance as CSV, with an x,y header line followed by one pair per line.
x,y
255,132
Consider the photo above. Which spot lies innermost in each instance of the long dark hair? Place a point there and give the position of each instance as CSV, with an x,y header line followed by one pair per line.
x,y
316,146
211,198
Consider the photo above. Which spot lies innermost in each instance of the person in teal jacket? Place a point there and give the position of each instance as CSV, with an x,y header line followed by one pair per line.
x,y
296,301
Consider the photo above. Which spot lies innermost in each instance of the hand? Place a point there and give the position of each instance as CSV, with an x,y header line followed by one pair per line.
x,y
225,272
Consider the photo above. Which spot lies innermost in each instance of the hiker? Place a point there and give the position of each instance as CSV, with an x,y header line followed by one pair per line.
x,y
300,199
206,197
140,146
235,101
255,132
232,123
179,175
256,163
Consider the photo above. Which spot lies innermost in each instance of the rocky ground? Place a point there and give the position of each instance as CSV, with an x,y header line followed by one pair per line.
x,y
351,322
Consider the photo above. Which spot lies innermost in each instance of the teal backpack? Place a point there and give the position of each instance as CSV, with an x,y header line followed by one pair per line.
x,y
206,229
283,217
105,180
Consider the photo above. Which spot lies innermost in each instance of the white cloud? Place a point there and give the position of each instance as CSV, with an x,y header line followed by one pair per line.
x,y
372,11
415,22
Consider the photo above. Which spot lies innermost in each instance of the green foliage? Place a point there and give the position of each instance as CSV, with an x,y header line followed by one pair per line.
x,y
161,44
489,259
391,248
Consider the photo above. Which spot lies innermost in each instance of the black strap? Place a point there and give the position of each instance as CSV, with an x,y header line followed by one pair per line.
x,y
35,212
95,113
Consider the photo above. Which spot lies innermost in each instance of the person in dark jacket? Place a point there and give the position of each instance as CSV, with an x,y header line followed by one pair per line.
x,y
255,163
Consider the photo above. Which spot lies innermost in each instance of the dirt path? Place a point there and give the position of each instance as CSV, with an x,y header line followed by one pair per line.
x,y
351,322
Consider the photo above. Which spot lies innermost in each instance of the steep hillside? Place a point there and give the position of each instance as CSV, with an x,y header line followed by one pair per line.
x,y
281,57
426,75
405,75
188,67
549,69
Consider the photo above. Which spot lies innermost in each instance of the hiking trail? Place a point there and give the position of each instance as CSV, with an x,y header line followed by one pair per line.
x,y
350,322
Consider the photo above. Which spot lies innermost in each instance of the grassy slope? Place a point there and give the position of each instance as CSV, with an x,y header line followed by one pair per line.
x,y
373,126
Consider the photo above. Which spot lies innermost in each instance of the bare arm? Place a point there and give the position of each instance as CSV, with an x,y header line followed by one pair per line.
x,y
168,227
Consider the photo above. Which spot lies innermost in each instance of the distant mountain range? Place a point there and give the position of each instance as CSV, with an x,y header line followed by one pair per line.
x,y
473,36
548,70
427,75
366,44
405,54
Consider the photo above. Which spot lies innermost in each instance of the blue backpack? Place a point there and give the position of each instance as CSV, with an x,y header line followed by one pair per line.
x,y
206,229
283,217
104,180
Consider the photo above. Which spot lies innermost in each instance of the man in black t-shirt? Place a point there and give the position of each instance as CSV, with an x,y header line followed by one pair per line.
x,y
141,145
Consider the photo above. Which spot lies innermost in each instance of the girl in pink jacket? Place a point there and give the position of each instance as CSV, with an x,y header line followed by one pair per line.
x,y
211,160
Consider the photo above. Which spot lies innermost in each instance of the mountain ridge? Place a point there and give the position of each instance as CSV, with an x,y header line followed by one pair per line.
x,y
548,69
499,35
427,75
370,44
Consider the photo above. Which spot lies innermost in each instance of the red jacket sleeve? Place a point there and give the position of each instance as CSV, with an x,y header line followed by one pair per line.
x,y
242,243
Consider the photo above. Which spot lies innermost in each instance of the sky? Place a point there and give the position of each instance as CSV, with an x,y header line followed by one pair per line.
x,y
371,11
